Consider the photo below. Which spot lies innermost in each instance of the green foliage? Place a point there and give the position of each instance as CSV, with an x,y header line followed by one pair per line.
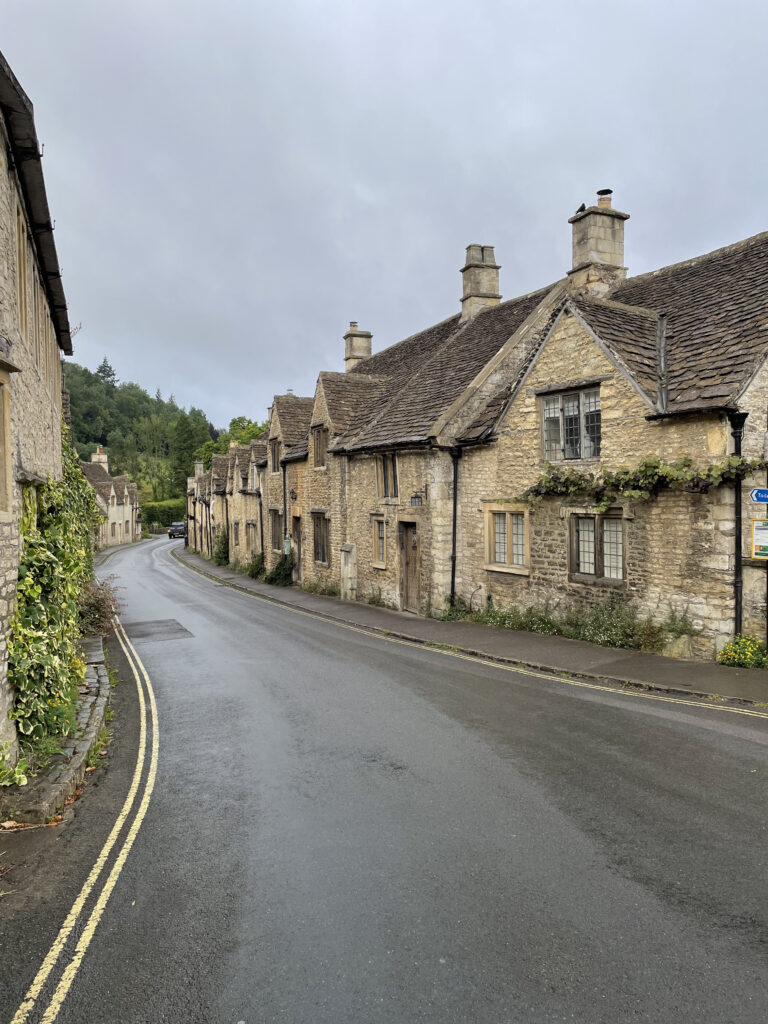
x,y
44,667
323,589
744,651
609,623
149,438
173,510
220,554
241,429
604,487
15,775
282,574
375,597
255,567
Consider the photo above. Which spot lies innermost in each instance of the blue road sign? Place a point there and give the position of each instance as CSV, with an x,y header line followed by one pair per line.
x,y
759,494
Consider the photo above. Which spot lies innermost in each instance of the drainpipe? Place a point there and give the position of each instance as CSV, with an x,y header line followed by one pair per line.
x,y
455,456
285,509
737,420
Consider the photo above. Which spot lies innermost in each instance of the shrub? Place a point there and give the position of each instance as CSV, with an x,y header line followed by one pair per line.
x,y
744,651
173,510
282,574
220,554
44,666
255,567
96,607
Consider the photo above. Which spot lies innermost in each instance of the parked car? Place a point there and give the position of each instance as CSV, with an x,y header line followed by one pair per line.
x,y
177,530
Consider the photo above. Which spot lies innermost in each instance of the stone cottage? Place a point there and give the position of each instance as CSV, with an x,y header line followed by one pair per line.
x,y
117,498
34,331
468,462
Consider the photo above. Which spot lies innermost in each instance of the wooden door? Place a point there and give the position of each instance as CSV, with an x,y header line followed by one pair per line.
x,y
409,563
297,548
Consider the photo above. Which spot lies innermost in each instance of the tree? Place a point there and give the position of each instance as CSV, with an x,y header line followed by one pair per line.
x,y
106,373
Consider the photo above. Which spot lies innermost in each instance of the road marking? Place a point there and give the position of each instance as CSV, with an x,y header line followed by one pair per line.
x,y
51,959
476,659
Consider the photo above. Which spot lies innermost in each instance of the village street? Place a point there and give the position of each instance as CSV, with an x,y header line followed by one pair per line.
x,y
347,829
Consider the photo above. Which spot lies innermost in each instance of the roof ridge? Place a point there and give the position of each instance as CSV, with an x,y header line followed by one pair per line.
x,y
615,304
694,261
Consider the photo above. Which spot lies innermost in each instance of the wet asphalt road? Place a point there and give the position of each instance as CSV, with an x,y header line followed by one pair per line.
x,y
346,829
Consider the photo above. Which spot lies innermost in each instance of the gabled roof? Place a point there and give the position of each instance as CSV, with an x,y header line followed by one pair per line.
x,y
429,371
712,313
349,398
219,471
294,413
94,472
717,320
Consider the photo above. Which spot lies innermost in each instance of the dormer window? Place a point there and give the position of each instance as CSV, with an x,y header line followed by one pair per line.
x,y
572,425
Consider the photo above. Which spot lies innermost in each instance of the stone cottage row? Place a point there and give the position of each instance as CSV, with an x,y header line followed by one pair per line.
x,y
117,498
400,480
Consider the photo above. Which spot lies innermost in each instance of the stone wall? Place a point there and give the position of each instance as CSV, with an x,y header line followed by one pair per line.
x,y
678,549
30,402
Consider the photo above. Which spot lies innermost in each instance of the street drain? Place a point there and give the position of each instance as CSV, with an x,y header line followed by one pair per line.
x,y
155,630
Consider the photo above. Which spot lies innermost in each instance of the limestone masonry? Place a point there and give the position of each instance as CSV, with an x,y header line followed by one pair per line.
x,y
400,480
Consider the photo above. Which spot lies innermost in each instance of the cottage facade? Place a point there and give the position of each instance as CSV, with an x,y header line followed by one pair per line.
x,y
34,331
117,498
403,479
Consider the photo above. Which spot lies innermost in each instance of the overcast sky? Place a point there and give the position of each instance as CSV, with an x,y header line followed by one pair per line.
x,y
234,181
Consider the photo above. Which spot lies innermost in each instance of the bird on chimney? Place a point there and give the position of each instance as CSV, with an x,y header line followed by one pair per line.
x,y
582,208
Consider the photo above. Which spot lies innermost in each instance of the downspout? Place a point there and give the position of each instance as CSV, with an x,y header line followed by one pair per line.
x,y
455,456
285,508
737,420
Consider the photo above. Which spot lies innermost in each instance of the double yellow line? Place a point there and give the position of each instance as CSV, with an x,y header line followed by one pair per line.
x,y
61,952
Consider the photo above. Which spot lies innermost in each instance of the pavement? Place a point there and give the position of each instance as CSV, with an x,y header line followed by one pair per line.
x,y
553,654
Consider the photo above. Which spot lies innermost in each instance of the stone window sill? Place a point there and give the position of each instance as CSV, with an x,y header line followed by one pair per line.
x,y
514,570
602,581
378,565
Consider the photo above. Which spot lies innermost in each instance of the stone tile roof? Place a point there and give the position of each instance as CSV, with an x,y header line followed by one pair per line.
x,y
715,332
349,398
297,452
717,320
630,332
294,413
219,471
94,472
428,371
258,451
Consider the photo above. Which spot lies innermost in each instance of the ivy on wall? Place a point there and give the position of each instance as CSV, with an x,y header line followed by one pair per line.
x,y
44,669
604,487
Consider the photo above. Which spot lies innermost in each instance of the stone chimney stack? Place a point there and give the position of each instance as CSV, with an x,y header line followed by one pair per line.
x,y
357,346
479,281
598,247
199,469
101,457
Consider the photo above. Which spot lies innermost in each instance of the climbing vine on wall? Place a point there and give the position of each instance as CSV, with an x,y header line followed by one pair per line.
x,y
642,483
57,526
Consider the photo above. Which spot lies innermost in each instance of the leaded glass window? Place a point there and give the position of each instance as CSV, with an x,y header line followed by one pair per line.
x,y
572,425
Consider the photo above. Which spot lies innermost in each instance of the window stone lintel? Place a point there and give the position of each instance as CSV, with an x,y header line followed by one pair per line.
x,y
571,385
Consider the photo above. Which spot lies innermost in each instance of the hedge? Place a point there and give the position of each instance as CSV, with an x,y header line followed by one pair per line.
x,y
174,510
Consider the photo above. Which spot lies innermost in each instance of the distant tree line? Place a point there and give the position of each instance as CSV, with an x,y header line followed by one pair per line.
x,y
153,440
